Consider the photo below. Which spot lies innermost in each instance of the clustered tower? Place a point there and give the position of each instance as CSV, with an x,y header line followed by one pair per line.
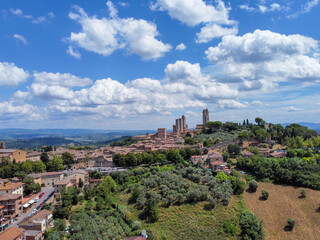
x,y
181,124
205,117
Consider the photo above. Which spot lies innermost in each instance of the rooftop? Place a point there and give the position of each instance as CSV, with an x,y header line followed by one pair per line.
x,y
10,185
8,150
8,196
11,233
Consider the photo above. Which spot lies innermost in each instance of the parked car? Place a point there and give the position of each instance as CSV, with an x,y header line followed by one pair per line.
x,y
41,205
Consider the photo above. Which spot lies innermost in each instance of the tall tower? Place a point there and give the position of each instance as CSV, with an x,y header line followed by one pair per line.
x,y
3,145
184,125
205,116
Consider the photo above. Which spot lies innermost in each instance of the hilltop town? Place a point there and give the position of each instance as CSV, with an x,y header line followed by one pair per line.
x,y
36,185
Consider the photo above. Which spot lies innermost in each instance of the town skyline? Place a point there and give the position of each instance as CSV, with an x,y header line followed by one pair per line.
x,y
138,65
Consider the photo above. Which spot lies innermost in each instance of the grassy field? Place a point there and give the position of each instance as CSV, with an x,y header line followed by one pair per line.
x,y
192,221
284,203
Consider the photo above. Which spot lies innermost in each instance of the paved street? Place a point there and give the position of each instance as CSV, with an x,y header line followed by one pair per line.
x,y
47,191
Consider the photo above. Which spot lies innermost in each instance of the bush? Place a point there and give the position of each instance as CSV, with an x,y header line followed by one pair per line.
x,y
253,185
229,227
251,227
303,193
291,223
265,194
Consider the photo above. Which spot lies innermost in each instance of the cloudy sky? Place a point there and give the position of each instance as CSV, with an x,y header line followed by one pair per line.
x,y
139,64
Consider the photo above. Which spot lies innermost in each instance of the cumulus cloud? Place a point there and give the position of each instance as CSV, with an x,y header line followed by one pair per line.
x,y
211,30
20,38
181,47
61,79
11,75
195,12
106,35
184,86
10,111
264,58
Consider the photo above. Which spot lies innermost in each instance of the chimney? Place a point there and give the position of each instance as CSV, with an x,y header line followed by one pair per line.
x,y
3,145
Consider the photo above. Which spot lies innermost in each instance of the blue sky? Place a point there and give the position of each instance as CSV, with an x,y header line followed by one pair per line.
x,y
141,64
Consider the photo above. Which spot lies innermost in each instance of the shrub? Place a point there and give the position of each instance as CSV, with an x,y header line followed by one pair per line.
x,y
253,185
265,194
251,227
291,223
303,193
229,227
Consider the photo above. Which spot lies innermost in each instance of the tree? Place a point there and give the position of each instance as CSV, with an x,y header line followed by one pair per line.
x,y
259,121
80,183
233,149
60,224
44,157
214,125
27,166
56,164
61,212
151,211
107,186
67,159
303,193
265,194
225,156
251,227
39,167
291,223
30,186
231,126
174,156
253,185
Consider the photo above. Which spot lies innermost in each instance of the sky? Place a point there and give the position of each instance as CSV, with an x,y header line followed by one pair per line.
x,y
140,64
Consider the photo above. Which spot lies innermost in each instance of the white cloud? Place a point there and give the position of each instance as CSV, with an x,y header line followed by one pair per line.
x,y
291,109
11,75
247,8
36,20
60,79
184,86
104,36
181,47
73,52
305,8
20,38
262,7
263,58
230,104
112,9
10,111
195,12
124,4
211,30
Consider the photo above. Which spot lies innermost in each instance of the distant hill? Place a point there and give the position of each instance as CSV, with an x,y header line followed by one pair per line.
x,y
32,138
314,126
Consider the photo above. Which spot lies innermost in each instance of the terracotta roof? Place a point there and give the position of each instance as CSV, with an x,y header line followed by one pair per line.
x,y
8,196
45,174
8,150
41,215
10,185
11,233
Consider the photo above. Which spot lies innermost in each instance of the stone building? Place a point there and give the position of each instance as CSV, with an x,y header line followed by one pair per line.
x,y
181,125
205,117
162,133
13,154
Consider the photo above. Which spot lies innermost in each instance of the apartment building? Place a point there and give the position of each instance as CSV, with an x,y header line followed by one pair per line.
x,y
12,205
11,187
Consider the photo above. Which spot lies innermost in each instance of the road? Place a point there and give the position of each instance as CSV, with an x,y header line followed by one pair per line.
x,y
47,191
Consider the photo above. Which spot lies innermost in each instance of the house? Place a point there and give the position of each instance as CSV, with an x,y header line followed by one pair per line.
x,y
213,157
265,152
13,233
11,187
278,154
220,166
33,156
47,179
4,222
12,205
247,154
39,222
13,154
33,235
196,159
